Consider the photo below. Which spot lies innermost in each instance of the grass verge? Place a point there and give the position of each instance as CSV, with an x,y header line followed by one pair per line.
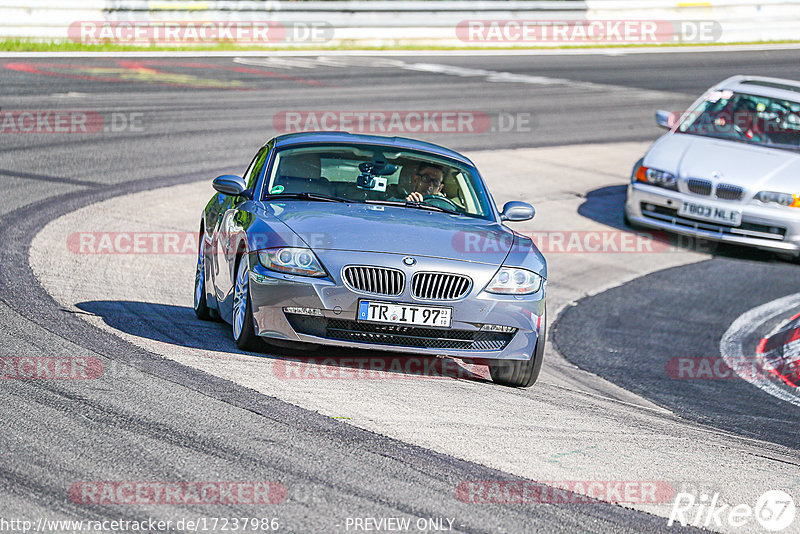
x,y
29,45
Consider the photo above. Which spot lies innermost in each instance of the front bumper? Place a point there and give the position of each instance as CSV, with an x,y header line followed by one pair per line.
x,y
763,227
271,292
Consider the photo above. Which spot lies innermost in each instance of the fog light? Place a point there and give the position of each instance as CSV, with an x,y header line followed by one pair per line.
x,y
498,328
649,207
303,311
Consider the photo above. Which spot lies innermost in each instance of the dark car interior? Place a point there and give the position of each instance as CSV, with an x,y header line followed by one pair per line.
x,y
303,173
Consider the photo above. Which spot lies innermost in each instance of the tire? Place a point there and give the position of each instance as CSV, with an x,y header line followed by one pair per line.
x,y
789,258
519,373
201,309
244,332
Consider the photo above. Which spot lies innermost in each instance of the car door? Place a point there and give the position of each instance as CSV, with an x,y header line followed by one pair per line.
x,y
227,229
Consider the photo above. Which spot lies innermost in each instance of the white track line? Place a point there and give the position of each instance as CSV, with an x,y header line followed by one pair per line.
x,y
730,346
434,68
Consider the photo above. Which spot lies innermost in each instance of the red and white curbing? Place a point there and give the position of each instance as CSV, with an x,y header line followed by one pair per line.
x,y
770,355
780,352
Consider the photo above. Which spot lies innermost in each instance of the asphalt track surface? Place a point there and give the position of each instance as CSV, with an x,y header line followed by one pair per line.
x,y
165,421
684,312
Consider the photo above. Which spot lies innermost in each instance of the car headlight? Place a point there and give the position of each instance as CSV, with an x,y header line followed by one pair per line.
x,y
291,260
656,177
513,281
784,199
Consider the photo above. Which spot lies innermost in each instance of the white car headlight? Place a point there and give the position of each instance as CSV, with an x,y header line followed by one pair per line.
x,y
291,260
656,177
514,281
784,199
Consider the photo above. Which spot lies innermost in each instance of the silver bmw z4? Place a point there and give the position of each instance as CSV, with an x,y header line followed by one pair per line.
x,y
378,243
729,168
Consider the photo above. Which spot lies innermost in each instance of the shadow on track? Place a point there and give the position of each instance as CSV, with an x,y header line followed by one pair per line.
x,y
659,335
177,325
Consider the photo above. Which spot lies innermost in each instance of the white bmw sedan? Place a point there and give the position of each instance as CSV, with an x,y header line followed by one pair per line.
x,y
729,168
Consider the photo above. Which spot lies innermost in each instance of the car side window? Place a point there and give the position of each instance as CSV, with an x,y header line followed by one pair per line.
x,y
255,168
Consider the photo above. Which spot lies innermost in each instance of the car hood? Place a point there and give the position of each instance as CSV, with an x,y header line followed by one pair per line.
x,y
393,229
750,166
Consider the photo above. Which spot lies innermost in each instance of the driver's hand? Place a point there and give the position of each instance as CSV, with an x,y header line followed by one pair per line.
x,y
414,197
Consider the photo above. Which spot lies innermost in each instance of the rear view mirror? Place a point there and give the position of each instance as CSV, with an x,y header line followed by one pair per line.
x,y
665,119
517,211
230,184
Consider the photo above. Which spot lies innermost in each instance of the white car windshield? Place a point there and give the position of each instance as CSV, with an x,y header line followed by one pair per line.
x,y
761,120
377,174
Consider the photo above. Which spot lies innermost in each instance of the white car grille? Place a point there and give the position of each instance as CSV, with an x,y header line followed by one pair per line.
x,y
699,187
721,191
729,192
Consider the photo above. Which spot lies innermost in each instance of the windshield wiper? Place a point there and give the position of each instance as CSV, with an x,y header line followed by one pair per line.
x,y
417,205
308,196
422,206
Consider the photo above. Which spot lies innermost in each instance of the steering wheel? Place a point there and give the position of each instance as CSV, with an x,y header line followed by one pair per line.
x,y
441,202
755,136
738,130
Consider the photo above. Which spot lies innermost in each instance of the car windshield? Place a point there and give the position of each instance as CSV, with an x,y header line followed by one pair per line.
x,y
761,120
377,174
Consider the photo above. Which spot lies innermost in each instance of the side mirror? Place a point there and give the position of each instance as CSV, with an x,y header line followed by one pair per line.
x,y
517,211
230,185
665,119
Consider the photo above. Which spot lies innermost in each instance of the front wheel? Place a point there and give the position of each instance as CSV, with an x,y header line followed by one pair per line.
x,y
244,333
201,308
518,373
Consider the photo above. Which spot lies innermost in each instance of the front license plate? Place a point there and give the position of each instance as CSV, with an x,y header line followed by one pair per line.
x,y
393,313
711,213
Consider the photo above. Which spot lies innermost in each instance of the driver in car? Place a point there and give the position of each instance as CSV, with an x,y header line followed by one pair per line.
x,y
427,181
745,120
